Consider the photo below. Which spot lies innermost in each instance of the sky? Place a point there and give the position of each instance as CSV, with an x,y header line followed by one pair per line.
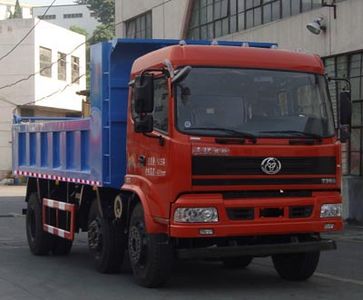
x,y
47,2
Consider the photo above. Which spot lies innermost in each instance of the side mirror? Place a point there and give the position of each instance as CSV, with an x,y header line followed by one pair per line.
x,y
144,94
345,108
144,124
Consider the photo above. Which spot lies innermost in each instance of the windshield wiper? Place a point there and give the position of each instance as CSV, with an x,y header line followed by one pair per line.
x,y
232,132
296,132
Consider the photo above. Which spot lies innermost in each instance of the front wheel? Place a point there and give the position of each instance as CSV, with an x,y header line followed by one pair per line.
x,y
296,267
151,255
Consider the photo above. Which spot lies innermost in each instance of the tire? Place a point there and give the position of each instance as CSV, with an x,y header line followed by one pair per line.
x,y
151,255
237,262
61,247
106,242
296,267
39,241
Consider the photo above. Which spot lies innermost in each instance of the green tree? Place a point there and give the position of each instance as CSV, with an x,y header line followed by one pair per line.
x,y
79,30
102,33
18,14
104,9
105,14
82,31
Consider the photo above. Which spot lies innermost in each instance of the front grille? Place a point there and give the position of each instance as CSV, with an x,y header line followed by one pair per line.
x,y
266,194
271,212
240,213
300,211
248,213
236,165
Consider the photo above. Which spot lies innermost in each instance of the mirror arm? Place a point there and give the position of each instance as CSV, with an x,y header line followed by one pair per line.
x,y
347,81
162,70
169,67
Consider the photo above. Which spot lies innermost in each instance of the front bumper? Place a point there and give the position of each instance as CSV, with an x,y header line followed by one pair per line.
x,y
256,250
259,225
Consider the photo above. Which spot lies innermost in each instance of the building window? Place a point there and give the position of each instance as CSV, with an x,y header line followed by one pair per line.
x,y
139,27
349,66
214,18
62,66
72,16
47,17
75,69
45,58
93,15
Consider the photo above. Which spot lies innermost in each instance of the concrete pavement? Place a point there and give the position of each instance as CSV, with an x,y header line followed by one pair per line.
x,y
12,190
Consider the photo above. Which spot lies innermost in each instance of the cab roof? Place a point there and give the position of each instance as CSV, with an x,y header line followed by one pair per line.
x,y
230,56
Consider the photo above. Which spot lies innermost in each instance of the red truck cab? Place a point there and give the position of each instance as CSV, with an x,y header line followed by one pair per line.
x,y
233,153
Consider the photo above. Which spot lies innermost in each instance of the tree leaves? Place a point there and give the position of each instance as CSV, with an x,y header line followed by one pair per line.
x,y
104,10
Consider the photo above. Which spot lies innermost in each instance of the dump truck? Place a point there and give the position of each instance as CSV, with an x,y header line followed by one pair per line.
x,y
201,150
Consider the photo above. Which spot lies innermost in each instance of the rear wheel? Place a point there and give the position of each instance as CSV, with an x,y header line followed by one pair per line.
x,y
237,262
61,246
296,267
40,242
151,255
106,242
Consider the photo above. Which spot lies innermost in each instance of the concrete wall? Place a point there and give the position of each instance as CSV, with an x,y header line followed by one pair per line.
x,y
13,67
168,16
86,22
59,40
24,61
342,34
352,194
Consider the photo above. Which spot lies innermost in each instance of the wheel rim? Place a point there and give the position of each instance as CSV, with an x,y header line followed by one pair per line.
x,y
137,245
95,237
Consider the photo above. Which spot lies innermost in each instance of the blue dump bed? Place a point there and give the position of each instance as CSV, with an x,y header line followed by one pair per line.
x,y
90,150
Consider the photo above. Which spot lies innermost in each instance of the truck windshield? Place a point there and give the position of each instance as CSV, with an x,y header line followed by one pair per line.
x,y
261,103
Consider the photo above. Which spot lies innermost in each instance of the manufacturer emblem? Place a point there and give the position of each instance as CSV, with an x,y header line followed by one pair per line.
x,y
271,165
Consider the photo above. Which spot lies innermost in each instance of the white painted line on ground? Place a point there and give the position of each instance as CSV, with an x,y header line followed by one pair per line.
x,y
337,278
11,215
350,239
322,275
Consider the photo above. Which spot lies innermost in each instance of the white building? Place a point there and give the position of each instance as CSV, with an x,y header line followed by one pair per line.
x,y
7,7
281,21
68,15
48,71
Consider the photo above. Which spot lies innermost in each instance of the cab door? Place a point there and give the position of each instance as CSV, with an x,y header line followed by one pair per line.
x,y
149,153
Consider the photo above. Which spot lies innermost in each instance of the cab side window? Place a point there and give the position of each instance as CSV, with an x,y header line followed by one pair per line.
x,y
161,105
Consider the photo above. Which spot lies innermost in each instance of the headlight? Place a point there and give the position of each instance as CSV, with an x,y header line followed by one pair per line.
x,y
196,215
331,210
